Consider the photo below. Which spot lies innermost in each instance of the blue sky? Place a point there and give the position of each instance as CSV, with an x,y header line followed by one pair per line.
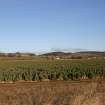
x,y
41,25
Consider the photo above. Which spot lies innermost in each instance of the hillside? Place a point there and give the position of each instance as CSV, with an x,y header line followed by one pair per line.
x,y
81,54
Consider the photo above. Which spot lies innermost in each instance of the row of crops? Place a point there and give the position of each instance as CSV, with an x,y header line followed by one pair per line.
x,y
15,70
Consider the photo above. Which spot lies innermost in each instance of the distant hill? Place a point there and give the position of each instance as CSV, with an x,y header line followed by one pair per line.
x,y
79,55
56,54
70,53
63,55
91,53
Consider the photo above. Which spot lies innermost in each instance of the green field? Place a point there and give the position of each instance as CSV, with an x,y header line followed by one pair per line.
x,y
42,69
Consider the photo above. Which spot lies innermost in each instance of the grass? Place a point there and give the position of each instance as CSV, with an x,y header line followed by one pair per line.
x,y
52,93
14,69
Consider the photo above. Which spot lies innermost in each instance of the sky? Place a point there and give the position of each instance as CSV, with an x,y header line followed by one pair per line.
x,y
43,25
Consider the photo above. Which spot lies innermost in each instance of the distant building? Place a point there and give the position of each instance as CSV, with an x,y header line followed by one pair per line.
x,y
57,58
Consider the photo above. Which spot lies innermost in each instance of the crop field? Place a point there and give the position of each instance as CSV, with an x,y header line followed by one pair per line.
x,y
42,69
52,82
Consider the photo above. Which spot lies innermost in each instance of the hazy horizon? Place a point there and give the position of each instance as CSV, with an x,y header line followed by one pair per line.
x,y
70,50
45,25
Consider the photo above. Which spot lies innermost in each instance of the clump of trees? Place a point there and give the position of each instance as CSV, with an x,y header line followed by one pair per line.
x,y
17,54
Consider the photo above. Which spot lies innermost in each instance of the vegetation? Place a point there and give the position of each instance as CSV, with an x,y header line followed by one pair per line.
x,y
41,69
88,92
53,93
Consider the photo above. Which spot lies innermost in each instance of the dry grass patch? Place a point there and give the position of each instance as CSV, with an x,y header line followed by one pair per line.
x,y
51,93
